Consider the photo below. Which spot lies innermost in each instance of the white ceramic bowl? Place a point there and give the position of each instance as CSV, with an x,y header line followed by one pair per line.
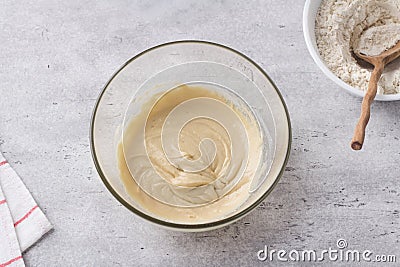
x,y
309,15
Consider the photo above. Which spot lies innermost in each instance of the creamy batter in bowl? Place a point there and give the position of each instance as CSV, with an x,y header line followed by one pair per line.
x,y
190,135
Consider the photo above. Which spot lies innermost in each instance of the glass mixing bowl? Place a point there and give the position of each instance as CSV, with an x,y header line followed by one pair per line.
x,y
221,69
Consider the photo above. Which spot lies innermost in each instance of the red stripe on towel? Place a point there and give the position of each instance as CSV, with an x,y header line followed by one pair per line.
x,y
25,216
3,201
3,163
10,261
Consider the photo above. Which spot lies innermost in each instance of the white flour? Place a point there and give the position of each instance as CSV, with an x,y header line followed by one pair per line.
x,y
377,40
339,25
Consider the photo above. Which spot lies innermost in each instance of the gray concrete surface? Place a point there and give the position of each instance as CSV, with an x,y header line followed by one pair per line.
x,y
56,56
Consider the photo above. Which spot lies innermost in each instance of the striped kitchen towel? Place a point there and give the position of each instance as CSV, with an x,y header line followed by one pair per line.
x,y
22,223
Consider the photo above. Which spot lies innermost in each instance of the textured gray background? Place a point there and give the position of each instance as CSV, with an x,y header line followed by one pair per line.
x,y
56,56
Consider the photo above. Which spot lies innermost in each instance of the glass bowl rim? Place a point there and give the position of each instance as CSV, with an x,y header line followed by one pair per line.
x,y
180,226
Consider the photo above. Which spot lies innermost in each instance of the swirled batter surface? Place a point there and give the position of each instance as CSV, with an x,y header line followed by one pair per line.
x,y
190,155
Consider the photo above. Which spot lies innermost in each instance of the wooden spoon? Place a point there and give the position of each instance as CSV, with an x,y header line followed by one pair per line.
x,y
379,62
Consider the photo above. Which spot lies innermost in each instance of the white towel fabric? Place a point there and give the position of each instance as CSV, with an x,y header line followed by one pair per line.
x,y
22,223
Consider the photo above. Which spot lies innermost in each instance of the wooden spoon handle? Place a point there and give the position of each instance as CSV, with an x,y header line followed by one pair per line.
x,y
359,133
